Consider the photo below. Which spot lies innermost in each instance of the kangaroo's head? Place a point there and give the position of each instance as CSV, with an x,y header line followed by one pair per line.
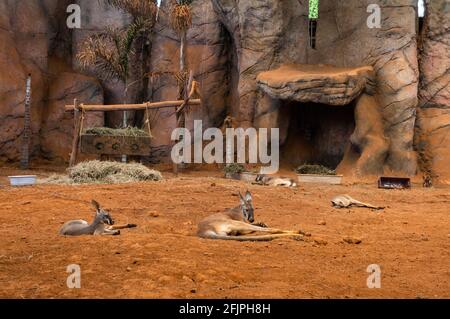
x,y
247,206
259,178
102,215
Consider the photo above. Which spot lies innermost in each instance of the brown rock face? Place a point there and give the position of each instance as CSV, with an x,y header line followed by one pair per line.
x,y
433,127
36,40
269,33
57,128
15,63
315,83
208,55
326,119
233,42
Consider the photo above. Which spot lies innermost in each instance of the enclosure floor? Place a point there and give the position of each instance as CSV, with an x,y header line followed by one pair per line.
x,y
162,258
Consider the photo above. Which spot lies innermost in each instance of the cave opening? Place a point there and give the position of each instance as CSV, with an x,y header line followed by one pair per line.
x,y
316,133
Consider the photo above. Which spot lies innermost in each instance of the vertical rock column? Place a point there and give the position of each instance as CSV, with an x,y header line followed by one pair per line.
x,y
433,126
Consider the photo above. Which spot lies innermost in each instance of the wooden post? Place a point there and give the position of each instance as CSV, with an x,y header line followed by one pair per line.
x,y
180,113
76,134
25,158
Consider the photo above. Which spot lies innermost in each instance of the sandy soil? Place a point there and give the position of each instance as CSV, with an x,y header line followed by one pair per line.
x,y
163,258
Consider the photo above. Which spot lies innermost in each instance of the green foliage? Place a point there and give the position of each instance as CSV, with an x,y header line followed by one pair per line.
x,y
233,168
109,52
313,9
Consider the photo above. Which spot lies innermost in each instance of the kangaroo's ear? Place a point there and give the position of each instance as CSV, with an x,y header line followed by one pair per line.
x,y
241,198
95,204
248,196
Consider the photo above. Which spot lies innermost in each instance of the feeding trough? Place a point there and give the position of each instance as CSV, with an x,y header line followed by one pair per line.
x,y
394,182
115,145
320,179
24,180
120,144
314,173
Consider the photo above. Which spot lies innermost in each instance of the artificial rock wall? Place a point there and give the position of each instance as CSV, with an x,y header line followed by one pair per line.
x,y
230,43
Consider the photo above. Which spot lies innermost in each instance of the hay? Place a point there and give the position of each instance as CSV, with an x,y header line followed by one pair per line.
x,y
314,169
107,131
96,172
112,172
56,179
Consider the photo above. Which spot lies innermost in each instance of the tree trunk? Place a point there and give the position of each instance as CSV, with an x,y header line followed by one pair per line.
x,y
180,117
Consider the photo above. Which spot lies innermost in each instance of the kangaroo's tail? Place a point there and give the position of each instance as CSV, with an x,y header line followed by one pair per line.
x,y
254,238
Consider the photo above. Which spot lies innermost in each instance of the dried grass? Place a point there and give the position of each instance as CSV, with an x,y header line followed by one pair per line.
x,y
181,16
97,172
128,131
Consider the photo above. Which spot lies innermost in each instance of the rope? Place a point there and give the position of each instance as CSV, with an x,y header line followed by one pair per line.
x,y
148,121
81,127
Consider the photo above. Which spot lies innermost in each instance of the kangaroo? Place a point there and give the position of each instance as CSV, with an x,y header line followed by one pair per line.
x,y
344,201
275,181
102,225
238,221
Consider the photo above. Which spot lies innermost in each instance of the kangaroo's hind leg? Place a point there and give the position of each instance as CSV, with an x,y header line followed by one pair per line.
x,y
116,227
244,228
107,231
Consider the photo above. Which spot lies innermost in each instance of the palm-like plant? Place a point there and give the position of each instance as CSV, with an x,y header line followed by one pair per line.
x,y
122,54
181,21
109,52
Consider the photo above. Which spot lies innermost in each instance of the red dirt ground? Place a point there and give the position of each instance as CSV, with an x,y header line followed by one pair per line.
x,y
163,258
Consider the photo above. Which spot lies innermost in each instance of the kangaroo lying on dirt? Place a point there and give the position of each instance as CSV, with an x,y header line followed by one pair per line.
x,y
239,221
274,181
345,201
102,225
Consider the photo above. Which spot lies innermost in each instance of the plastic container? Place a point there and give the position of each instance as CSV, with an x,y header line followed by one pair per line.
x,y
25,180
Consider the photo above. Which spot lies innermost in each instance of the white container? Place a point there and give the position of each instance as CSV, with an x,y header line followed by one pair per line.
x,y
248,177
25,180
320,179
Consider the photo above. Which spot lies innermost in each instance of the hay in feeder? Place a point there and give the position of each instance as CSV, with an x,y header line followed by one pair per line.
x,y
314,169
107,131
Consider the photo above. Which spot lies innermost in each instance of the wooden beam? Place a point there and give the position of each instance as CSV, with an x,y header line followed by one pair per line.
x,y
76,134
131,107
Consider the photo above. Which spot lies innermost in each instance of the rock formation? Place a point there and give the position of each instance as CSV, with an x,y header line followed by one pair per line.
x,y
433,127
269,33
233,42
366,148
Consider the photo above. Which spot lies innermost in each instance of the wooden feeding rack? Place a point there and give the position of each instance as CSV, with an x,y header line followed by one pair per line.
x,y
113,144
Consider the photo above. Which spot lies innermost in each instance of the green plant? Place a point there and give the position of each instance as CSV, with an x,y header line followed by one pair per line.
x,y
111,52
123,53
233,168
314,169
313,9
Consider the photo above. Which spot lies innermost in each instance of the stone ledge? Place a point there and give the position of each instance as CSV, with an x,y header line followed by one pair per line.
x,y
319,83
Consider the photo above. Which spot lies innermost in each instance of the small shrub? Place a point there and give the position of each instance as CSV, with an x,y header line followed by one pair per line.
x,y
234,168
